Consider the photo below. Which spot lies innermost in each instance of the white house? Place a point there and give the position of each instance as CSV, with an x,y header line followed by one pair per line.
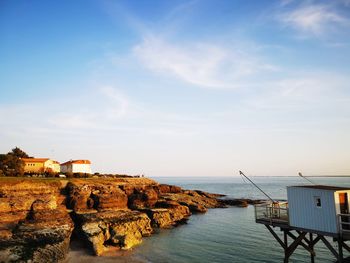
x,y
76,166
317,207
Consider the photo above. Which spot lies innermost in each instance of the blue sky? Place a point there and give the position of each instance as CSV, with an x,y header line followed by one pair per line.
x,y
179,88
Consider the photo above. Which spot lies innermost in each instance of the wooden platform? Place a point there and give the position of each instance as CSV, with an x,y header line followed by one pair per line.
x,y
275,217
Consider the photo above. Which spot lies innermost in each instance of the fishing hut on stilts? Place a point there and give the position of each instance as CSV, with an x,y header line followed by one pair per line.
x,y
311,213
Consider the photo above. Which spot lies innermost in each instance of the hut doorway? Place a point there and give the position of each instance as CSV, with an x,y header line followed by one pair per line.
x,y
343,202
344,208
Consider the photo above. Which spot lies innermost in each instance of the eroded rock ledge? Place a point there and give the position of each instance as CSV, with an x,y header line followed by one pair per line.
x,y
34,223
38,216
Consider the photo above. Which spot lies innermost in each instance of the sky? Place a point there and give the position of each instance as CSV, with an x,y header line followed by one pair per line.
x,y
179,88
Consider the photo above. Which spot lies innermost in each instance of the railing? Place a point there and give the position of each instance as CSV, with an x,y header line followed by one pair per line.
x,y
277,212
344,224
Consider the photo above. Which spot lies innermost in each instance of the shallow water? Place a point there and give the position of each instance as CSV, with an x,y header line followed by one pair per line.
x,y
225,235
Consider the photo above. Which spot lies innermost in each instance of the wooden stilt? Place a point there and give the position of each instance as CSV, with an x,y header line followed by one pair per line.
x,y
346,246
276,236
312,255
307,240
285,235
340,251
306,237
295,244
301,242
329,246
315,241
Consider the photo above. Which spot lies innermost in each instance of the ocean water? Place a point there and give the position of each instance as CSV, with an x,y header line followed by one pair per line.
x,y
220,235
229,234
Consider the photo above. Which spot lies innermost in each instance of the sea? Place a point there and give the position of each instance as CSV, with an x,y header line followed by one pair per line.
x,y
223,234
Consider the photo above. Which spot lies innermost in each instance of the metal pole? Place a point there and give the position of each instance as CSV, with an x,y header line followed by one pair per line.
x,y
241,173
311,182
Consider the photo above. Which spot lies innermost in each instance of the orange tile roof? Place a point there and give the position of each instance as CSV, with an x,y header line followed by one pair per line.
x,y
77,162
35,160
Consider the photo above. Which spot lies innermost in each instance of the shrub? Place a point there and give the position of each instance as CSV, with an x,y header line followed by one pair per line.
x,y
69,174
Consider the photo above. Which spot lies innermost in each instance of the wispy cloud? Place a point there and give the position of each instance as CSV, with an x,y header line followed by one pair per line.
x,y
120,102
104,110
309,91
315,19
202,64
345,2
285,2
104,105
99,108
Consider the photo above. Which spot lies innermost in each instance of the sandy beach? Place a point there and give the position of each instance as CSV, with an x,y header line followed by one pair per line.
x,y
80,254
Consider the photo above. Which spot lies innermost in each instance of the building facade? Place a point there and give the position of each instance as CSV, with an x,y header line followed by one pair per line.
x,y
40,165
316,207
76,166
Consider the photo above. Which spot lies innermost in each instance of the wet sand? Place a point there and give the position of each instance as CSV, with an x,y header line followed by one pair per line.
x,y
79,253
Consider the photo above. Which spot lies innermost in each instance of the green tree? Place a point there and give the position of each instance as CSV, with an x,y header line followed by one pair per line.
x,y
11,163
19,153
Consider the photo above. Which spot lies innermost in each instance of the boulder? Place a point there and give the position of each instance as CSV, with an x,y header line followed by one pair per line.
x,y
196,208
168,214
79,196
42,241
34,225
110,198
95,196
160,217
122,229
166,188
197,202
143,198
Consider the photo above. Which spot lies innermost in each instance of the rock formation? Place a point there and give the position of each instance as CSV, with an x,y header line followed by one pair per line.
x,y
34,223
38,216
120,228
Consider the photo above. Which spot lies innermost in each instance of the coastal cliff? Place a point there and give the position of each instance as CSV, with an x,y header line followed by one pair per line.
x,y
39,216
34,222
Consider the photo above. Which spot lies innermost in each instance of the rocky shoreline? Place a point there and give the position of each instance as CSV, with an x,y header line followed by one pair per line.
x,y
39,216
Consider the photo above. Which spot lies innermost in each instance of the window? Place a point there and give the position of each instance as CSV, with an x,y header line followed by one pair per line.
x,y
318,201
